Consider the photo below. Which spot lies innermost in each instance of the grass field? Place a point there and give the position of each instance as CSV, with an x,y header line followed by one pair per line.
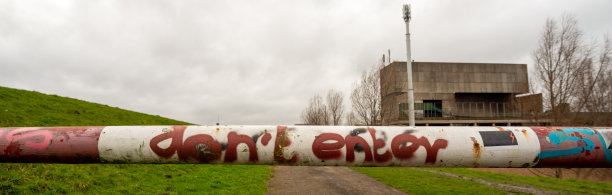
x,y
26,108
546,183
415,181
133,179
419,182
21,108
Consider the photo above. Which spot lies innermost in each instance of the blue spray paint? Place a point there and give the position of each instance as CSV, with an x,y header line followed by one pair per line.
x,y
558,137
605,149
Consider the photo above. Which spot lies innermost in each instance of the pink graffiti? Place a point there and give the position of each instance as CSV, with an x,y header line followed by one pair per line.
x,y
25,133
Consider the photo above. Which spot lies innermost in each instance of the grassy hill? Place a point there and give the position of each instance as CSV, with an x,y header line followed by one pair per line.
x,y
20,108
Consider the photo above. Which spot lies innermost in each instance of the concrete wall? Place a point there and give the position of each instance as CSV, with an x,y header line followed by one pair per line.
x,y
440,81
438,77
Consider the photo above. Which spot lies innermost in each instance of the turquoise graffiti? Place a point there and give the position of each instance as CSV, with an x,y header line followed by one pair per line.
x,y
585,145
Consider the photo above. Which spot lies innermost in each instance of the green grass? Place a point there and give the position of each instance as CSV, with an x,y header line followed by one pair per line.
x,y
419,182
20,108
133,179
545,183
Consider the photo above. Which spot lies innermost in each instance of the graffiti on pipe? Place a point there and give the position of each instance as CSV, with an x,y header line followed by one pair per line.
x,y
313,145
203,148
498,140
33,138
578,146
402,146
55,144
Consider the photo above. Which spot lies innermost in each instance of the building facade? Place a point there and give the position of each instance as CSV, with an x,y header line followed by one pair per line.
x,y
455,93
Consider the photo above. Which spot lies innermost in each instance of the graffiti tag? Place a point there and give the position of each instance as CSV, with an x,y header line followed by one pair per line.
x,y
327,146
204,148
34,139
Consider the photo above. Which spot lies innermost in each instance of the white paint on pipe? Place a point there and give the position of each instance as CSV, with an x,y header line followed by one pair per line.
x,y
130,144
324,145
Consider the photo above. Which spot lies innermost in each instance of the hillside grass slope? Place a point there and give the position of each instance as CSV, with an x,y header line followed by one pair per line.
x,y
19,108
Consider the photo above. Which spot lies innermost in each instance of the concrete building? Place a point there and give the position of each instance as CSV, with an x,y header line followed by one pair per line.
x,y
457,93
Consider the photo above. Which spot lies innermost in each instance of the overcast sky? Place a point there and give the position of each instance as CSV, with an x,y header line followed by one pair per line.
x,y
253,62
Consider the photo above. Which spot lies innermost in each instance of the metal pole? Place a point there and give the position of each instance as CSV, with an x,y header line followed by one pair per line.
x,y
406,11
312,145
470,108
496,109
504,107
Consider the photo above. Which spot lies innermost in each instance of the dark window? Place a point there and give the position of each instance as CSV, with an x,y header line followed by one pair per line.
x,y
432,108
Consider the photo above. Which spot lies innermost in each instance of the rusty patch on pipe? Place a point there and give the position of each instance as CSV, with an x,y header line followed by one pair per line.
x,y
525,133
282,140
477,151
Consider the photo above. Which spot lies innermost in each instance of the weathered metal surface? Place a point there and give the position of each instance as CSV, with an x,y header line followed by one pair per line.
x,y
574,147
49,144
313,145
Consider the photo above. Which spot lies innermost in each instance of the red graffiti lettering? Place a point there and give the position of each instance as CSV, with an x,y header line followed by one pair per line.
x,y
202,148
402,147
379,143
326,151
233,139
282,140
176,134
407,152
265,139
24,134
351,142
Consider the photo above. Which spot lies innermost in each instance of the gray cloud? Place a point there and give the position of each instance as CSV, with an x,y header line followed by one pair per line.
x,y
251,62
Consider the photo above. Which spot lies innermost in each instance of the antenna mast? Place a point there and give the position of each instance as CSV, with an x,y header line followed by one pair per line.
x,y
407,18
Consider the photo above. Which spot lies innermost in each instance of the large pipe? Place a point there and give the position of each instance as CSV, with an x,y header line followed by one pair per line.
x,y
313,145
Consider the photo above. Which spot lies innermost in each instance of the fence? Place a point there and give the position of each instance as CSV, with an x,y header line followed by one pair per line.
x,y
463,109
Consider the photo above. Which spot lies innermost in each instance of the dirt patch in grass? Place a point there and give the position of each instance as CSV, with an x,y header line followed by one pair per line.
x,y
324,180
414,181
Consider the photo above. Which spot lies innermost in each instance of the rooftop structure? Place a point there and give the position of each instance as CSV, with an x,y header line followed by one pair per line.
x,y
448,93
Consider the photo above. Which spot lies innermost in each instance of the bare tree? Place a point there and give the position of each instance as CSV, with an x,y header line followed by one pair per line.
x,y
316,112
365,97
335,106
560,56
595,88
351,119
569,73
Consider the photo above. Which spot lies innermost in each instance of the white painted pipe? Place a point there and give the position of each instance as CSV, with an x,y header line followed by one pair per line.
x,y
313,145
